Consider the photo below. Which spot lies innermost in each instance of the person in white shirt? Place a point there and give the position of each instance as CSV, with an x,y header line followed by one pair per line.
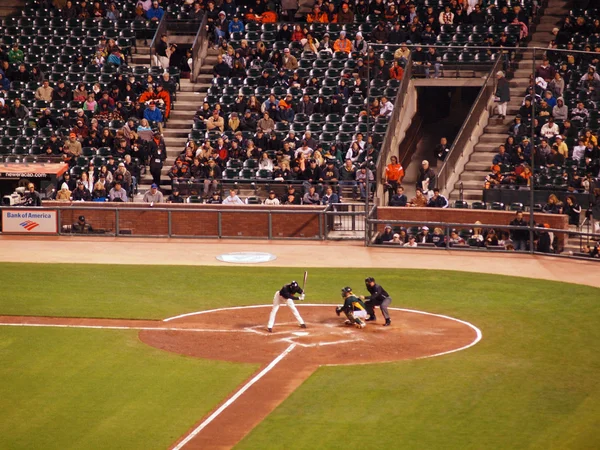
x,y
411,242
271,199
550,129
579,150
232,198
385,107
304,150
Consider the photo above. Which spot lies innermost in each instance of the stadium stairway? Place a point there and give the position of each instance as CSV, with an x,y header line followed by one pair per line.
x,y
189,98
496,131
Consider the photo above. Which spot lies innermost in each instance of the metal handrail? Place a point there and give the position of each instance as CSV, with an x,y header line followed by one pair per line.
x,y
394,121
162,27
199,48
466,130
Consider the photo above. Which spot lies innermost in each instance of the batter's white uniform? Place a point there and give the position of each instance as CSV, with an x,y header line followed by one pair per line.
x,y
278,300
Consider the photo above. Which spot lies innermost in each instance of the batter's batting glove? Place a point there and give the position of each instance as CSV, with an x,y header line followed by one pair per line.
x,y
301,297
338,310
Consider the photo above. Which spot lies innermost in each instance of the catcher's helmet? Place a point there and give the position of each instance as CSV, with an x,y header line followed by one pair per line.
x,y
294,284
369,279
346,290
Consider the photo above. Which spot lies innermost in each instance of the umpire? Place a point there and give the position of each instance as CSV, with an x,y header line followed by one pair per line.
x,y
379,297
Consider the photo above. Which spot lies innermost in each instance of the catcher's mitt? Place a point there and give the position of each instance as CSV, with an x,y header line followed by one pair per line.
x,y
338,310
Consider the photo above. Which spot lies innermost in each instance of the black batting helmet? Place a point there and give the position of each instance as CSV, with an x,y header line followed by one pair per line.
x,y
369,279
294,284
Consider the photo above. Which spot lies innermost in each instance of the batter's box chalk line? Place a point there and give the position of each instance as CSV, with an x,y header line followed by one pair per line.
x,y
300,334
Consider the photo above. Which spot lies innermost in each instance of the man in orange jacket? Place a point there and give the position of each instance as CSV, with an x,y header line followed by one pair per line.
x,y
342,44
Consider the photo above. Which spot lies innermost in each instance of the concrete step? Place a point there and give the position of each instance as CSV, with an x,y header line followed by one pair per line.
x,y
182,115
475,175
482,157
496,128
178,124
471,184
477,166
492,137
485,147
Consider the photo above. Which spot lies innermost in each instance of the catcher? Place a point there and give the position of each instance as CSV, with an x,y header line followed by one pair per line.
x,y
354,309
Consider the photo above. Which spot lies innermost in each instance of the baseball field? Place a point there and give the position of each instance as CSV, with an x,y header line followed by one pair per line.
x,y
88,361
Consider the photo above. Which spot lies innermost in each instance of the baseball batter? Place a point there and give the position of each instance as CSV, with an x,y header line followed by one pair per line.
x,y
379,297
286,296
354,309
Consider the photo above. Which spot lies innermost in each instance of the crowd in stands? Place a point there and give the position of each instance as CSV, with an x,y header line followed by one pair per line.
x,y
561,106
68,94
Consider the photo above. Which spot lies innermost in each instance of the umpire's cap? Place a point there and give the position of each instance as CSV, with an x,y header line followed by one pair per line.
x,y
369,279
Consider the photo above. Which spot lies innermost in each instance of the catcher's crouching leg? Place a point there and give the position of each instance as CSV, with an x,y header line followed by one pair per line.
x,y
358,323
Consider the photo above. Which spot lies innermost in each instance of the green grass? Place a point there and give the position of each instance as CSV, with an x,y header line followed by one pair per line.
x,y
92,389
532,382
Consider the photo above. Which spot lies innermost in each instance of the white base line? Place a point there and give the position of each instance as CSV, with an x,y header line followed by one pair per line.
x,y
116,327
237,395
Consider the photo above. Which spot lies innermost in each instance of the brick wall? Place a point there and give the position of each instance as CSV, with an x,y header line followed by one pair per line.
x,y
195,220
454,215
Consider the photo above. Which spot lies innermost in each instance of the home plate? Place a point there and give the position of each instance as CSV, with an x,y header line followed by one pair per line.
x,y
301,333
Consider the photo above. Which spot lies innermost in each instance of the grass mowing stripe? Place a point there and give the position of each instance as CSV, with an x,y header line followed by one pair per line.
x,y
82,389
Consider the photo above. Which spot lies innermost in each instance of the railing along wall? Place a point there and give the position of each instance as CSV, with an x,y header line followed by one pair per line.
x,y
465,134
394,122
199,49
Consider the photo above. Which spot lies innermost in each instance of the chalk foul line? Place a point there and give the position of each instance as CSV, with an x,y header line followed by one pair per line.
x,y
120,327
231,400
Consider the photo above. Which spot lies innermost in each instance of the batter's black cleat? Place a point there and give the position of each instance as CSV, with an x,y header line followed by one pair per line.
x,y
371,318
387,323
303,325
270,330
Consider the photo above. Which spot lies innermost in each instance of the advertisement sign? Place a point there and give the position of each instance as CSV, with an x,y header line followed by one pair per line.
x,y
29,221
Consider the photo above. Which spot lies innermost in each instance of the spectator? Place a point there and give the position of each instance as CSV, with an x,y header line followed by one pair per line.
x,y
306,106
16,54
44,92
117,193
419,200
502,157
19,110
446,17
289,61
385,237
442,149
550,129
385,108
316,15
553,206
364,176
573,210
64,194
232,198
345,15
412,242
399,198
519,237
393,176
426,177
221,69
266,124
330,198
595,207
235,26
560,111
545,70
311,197
396,71
81,193
153,195
153,114
502,95
155,12
271,200
342,44
437,200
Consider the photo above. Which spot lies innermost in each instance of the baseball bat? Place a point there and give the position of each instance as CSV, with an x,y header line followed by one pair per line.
x,y
304,282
